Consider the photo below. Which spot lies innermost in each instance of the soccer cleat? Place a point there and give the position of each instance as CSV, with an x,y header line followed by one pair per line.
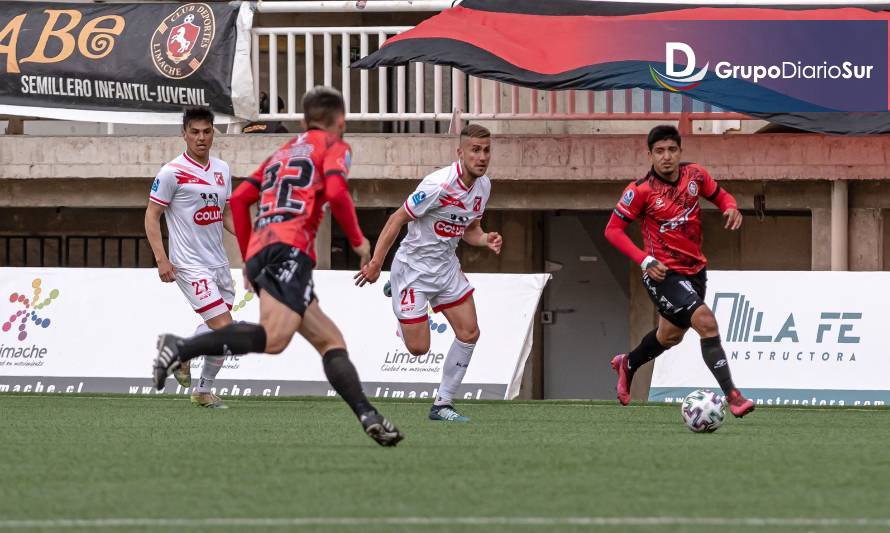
x,y
619,365
446,413
183,375
167,359
207,400
739,406
380,429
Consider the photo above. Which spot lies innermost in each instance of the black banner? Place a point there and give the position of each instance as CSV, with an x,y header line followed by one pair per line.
x,y
153,57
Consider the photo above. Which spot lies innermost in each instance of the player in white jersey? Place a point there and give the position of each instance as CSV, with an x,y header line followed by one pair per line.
x,y
193,192
446,207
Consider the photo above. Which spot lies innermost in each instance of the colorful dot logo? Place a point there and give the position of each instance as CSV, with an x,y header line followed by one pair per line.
x,y
29,312
435,327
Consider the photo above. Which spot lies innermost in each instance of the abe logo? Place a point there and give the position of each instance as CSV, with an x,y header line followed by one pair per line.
x,y
446,229
418,197
182,41
156,185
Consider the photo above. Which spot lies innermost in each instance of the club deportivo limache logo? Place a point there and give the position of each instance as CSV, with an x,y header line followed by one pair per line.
x,y
31,310
182,41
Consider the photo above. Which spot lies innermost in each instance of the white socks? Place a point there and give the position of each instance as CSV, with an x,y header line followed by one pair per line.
x,y
453,371
212,364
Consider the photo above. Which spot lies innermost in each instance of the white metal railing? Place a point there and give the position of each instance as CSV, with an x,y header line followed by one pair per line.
x,y
287,61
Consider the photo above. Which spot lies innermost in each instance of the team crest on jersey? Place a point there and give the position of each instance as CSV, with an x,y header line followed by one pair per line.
x,y
693,188
418,197
477,204
219,178
182,41
156,185
628,197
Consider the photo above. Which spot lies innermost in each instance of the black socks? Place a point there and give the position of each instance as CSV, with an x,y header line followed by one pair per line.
x,y
648,349
714,356
235,339
343,377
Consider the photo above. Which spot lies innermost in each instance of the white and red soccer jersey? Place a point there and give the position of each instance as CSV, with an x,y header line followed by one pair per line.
x,y
194,197
441,208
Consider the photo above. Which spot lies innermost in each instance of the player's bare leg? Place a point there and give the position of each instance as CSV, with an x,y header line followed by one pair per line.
x,y
705,324
464,322
321,332
279,321
203,395
278,325
416,336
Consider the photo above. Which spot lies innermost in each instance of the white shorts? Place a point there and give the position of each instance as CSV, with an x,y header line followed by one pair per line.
x,y
413,292
211,291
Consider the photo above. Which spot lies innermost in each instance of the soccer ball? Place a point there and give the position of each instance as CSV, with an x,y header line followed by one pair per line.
x,y
703,411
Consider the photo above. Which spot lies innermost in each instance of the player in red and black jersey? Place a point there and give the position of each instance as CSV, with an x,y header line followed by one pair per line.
x,y
292,187
666,202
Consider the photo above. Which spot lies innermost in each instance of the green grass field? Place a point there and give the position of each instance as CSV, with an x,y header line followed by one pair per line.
x,y
518,466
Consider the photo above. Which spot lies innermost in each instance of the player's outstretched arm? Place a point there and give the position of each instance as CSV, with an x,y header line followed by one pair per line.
x,y
388,236
476,236
727,205
617,237
337,193
724,201
228,223
244,196
166,270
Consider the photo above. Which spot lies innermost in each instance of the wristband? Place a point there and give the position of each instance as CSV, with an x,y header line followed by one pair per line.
x,y
649,261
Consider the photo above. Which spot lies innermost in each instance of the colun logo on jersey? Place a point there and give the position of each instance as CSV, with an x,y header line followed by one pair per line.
x,y
446,229
210,213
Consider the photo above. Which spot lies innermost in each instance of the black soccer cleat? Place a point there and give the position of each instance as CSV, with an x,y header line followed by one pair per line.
x,y
380,429
167,359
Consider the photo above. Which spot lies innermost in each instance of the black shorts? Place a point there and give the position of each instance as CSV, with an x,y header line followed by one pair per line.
x,y
678,296
285,272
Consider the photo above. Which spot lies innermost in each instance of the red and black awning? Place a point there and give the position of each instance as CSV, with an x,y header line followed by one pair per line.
x,y
806,66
